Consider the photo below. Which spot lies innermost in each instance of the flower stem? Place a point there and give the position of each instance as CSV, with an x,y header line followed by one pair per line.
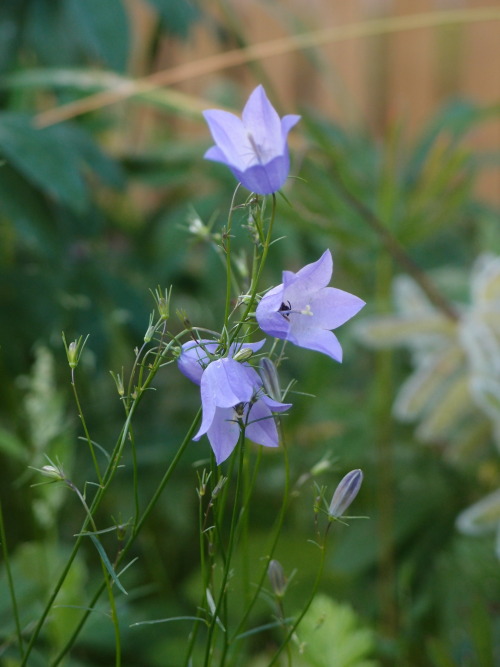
x,y
84,425
284,645
135,532
10,582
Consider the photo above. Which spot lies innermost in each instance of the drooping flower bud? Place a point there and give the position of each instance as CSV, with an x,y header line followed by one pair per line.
x,y
277,578
345,493
270,379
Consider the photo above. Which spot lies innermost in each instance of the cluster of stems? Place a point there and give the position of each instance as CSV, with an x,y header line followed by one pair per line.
x,y
225,498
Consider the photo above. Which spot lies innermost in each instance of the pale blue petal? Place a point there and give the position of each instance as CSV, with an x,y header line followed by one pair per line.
x,y
264,179
299,286
230,137
194,359
224,384
223,434
275,406
287,122
261,427
332,307
262,121
319,340
269,319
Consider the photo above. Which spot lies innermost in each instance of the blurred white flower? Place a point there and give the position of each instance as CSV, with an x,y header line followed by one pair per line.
x,y
453,391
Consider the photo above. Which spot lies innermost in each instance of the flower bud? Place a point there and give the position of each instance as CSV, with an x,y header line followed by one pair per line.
x,y
53,472
150,330
243,354
162,300
74,350
277,578
269,376
345,493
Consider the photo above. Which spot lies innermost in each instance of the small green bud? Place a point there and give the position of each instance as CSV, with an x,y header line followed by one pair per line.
x,y
150,331
53,472
243,354
119,382
162,300
74,350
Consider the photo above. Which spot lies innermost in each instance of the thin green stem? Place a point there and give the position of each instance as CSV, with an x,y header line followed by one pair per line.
x,y
276,535
227,568
227,249
257,269
105,482
84,425
10,581
154,499
305,609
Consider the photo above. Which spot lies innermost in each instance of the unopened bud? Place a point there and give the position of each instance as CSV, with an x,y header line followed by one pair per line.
x,y
345,493
218,487
74,350
270,379
150,330
119,382
277,578
52,471
162,300
243,354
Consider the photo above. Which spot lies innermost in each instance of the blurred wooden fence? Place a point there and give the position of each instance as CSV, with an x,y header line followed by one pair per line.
x,y
381,65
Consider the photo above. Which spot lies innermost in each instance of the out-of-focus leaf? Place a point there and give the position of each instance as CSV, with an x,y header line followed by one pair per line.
x,y
91,80
46,18
108,170
455,120
26,214
177,16
54,159
43,158
11,446
330,635
10,29
102,29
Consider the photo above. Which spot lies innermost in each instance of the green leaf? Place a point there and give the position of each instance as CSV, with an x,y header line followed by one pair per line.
x,y
331,636
11,446
106,562
43,158
102,30
177,16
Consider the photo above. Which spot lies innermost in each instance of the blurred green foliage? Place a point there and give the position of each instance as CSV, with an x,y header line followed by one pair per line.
x,y
88,225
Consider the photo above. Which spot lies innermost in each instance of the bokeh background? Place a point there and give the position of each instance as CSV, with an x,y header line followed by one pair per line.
x,y
101,178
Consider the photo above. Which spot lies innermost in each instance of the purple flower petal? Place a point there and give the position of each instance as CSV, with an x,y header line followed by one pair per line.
x,y
261,427
254,148
303,309
223,434
194,358
224,384
265,179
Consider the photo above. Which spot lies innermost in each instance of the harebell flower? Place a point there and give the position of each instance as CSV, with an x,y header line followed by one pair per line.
x,y
254,147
